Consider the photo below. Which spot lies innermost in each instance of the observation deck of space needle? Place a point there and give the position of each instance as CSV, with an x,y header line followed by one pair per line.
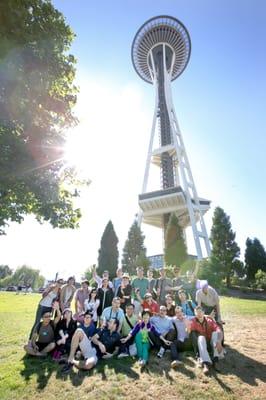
x,y
160,53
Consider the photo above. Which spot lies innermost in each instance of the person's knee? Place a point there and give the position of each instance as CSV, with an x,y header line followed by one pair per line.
x,y
201,339
79,334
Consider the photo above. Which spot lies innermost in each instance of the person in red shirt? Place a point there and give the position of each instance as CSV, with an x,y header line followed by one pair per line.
x,y
150,304
207,334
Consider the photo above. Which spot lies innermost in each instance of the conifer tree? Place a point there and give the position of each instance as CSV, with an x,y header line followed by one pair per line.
x,y
255,258
225,251
175,252
108,252
134,252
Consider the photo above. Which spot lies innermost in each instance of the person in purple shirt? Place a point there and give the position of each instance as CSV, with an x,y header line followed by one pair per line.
x,y
141,333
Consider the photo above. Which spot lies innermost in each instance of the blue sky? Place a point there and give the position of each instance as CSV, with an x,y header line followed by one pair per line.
x,y
220,101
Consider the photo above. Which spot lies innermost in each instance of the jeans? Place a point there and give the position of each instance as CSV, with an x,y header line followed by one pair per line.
x,y
177,347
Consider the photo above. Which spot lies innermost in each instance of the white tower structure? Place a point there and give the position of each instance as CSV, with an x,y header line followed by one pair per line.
x,y
160,53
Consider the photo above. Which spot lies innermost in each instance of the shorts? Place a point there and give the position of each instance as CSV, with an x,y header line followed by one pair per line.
x,y
41,346
86,348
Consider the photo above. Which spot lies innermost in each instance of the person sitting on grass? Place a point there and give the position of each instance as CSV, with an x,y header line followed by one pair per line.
x,y
141,333
64,332
107,340
51,294
183,340
207,336
164,326
42,341
130,320
187,305
82,339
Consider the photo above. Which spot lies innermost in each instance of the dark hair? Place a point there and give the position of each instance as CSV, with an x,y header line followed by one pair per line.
x,y
116,321
88,313
130,305
146,311
46,312
93,290
71,277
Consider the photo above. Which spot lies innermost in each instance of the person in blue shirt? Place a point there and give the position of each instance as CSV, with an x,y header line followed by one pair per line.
x,y
164,325
187,306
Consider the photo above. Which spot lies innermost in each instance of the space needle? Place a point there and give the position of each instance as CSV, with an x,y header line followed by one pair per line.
x,y
160,53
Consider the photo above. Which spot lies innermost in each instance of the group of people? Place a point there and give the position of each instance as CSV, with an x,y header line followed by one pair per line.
x,y
127,317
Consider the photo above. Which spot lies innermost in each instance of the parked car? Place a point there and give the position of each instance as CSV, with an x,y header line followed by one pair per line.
x,y
41,290
11,289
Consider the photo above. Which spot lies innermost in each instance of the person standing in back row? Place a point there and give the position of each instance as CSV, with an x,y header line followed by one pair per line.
x,y
140,287
163,286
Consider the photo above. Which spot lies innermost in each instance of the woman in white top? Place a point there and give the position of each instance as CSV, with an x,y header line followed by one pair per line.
x,y
50,295
91,304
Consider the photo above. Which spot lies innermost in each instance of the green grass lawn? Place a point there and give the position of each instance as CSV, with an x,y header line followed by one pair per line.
x,y
23,377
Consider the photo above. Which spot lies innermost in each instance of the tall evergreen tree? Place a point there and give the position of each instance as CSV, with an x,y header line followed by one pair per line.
x,y
255,258
225,251
175,252
134,252
108,252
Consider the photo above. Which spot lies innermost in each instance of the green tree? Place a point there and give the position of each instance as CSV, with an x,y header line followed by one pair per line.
x,y
175,252
134,251
5,271
255,258
26,276
225,251
37,95
260,279
108,252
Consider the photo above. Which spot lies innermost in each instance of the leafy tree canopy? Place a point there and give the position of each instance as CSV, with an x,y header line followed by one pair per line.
x,y
37,95
5,271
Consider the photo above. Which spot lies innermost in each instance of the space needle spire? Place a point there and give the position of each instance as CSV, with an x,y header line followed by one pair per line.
x,y
160,53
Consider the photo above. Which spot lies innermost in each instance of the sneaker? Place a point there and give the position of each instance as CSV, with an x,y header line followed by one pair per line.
x,y
67,368
175,363
161,352
122,355
142,363
205,369
199,362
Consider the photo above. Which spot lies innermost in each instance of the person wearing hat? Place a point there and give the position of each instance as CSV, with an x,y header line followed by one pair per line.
x,y
124,292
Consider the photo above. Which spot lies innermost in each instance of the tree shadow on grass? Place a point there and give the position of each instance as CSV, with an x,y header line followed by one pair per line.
x,y
247,369
42,367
